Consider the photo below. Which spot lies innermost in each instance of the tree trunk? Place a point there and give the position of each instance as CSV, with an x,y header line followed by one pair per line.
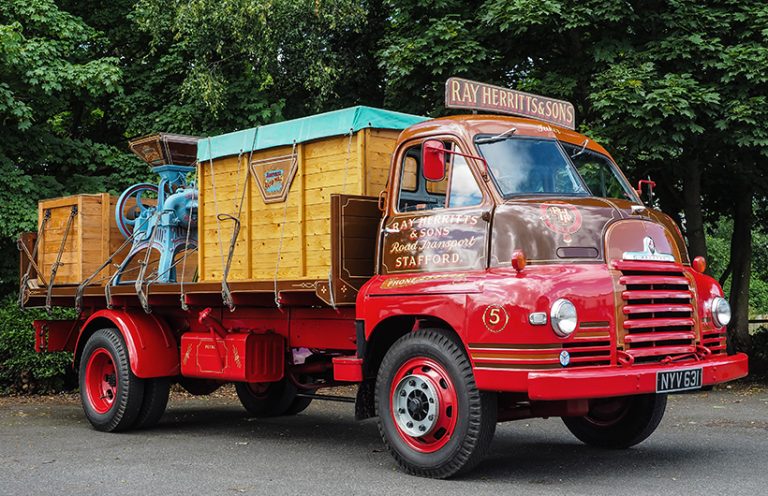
x,y
741,264
694,219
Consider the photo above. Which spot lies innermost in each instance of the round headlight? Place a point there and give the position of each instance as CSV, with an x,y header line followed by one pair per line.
x,y
721,312
563,318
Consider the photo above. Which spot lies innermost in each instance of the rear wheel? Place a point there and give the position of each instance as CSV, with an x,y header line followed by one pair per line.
x,y
110,393
271,399
432,418
619,422
156,392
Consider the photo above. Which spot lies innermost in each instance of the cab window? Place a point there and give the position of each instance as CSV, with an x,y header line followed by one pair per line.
x,y
598,173
458,188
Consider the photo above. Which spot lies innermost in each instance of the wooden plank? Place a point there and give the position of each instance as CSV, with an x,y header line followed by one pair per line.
x,y
362,138
301,210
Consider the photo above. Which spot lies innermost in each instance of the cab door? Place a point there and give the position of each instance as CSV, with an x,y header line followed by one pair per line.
x,y
435,226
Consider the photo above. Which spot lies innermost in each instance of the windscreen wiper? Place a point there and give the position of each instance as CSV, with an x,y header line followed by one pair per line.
x,y
498,137
583,147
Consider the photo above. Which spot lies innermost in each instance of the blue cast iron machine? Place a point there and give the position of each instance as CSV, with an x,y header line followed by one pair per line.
x,y
161,219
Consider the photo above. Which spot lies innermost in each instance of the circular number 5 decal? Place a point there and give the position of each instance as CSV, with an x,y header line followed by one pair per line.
x,y
495,318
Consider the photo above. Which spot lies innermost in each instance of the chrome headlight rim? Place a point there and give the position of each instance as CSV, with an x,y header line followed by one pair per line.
x,y
721,315
563,317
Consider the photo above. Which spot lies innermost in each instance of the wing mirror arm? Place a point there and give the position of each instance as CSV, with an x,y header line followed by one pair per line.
x,y
433,160
651,184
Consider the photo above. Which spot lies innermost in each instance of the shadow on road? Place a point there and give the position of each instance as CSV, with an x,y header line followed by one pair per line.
x,y
534,451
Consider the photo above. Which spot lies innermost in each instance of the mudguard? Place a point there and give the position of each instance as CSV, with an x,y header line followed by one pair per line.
x,y
152,347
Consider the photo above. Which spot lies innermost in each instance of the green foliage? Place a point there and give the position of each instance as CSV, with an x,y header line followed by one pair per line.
x,y
719,246
21,369
760,344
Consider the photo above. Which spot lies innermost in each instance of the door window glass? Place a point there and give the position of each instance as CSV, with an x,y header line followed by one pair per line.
x,y
458,188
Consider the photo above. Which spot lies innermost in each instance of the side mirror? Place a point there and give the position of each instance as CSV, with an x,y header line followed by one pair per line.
x,y
433,160
651,184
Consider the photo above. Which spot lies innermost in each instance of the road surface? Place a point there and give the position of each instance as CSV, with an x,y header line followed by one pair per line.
x,y
708,443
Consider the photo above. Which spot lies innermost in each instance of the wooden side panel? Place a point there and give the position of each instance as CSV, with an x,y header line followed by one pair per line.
x,y
354,166
380,145
92,236
222,187
355,222
332,166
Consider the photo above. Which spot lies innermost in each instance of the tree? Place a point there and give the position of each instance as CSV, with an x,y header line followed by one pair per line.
x,y
53,92
676,89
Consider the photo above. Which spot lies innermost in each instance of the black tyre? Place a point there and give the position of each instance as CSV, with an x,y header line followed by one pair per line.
x,y
156,392
111,395
199,387
619,423
270,399
432,418
298,405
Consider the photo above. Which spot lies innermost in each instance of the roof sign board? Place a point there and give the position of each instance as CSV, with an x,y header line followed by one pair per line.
x,y
465,94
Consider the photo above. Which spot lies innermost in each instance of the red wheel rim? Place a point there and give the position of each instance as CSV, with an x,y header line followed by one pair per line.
x,y
101,381
423,379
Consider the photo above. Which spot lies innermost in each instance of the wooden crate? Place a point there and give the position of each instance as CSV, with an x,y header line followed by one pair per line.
x,y
324,167
92,237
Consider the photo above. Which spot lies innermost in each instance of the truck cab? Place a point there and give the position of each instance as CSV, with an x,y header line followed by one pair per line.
x,y
521,246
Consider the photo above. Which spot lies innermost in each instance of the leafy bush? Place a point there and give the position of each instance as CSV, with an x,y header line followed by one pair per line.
x,y
21,369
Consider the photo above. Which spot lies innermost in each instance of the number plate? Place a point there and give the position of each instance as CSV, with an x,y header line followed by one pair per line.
x,y
678,380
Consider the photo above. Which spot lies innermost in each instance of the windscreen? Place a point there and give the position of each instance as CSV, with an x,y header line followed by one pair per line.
x,y
531,166
600,175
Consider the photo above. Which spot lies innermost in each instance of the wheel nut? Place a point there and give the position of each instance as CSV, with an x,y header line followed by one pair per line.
x,y
409,424
424,386
401,411
431,400
422,428
402,393
412,383
431,418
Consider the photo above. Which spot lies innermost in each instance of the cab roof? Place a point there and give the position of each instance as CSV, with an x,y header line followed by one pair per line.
x,y
468,125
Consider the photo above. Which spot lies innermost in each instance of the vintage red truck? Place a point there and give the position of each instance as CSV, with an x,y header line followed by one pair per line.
x,y
507,270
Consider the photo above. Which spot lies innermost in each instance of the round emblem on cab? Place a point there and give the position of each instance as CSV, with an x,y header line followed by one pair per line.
x,y
565,358
495,318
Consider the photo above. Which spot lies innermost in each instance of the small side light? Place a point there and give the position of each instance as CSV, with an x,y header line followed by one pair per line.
x,y
699,264
518,260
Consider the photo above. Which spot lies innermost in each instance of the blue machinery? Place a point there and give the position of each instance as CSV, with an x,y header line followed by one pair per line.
x,y
159,221
162,229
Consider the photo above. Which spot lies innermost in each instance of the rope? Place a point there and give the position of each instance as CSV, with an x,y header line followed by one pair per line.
x,y
294,162
89,279
32,256
144,299
58,262
182,294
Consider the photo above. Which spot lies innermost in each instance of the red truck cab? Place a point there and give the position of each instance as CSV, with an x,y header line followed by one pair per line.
x,y
532,263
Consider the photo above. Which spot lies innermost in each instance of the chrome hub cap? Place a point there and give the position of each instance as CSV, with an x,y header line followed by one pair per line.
x,y
415,404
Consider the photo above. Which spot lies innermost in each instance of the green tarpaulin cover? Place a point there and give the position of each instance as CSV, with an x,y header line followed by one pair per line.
x,y
336,123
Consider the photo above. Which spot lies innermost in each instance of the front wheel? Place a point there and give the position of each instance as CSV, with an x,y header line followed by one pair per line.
x,y
618,423
111,394
432,418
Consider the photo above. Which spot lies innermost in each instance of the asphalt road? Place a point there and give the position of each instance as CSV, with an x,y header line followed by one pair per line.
x,y
708,443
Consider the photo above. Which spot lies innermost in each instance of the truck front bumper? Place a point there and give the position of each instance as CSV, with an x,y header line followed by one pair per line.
x,y
602,382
